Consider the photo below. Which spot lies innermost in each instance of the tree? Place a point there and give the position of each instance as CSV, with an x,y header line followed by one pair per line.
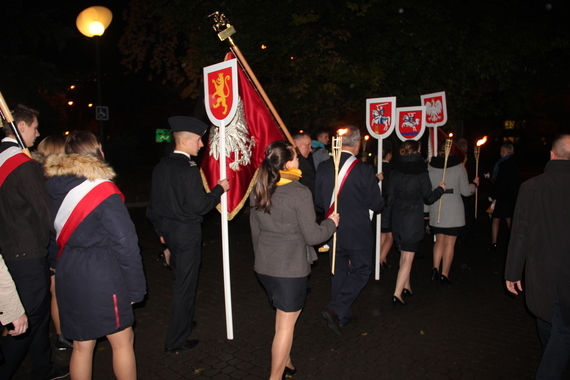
x,y
323,59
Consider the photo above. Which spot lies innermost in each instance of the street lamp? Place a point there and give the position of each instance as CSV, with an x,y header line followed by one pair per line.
x,y
92,22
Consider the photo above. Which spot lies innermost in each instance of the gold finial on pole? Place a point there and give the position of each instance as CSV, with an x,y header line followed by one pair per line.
x,y
225,30
222,26
447,149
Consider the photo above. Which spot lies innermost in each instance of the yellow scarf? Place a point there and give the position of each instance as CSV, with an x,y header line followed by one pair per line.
x,y
289,175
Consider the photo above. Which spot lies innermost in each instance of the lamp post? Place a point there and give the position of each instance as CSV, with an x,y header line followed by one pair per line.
x,y
92,23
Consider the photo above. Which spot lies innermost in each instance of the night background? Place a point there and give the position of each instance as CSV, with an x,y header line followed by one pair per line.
x,y
503,65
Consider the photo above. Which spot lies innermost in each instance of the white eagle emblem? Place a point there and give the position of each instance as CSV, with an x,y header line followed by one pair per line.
x,y
238,140
434,110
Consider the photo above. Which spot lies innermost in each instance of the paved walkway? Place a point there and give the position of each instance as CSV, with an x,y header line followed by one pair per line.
x,y
471,330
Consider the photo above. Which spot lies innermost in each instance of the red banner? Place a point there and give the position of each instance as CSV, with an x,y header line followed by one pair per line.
x,y
247,136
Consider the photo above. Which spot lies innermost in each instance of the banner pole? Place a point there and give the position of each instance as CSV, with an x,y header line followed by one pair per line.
x,y
225,30
260,89
225,237
379,216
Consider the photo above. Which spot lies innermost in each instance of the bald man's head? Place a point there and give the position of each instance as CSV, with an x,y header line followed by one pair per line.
x,y
560,148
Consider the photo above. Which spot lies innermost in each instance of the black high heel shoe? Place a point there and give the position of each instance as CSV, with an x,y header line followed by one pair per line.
x,y
445,281
289,372
407,293
396,301
163,259
434,275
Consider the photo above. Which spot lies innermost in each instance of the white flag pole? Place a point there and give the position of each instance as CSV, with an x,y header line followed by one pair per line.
x,y
379,216
225,237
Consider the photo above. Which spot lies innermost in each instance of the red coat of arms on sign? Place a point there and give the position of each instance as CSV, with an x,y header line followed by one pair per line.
x,y
411,122
221,91
380,119
436,108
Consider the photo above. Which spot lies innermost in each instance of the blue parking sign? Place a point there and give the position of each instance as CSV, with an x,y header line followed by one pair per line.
x,y
102,113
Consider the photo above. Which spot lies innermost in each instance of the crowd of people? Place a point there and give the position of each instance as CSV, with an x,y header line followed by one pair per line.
x,y
68,237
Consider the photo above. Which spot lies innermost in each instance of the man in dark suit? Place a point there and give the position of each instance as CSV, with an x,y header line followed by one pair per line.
x,y
177,203
24,238
540,239
359,193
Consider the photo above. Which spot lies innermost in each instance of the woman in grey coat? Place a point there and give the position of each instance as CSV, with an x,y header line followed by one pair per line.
x,y
283,231
452,215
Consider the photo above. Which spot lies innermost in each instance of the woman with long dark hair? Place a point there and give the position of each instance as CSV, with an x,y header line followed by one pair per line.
x,y
283,231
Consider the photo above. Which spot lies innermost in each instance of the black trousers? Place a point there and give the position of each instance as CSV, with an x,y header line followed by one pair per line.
x,y
555,339
31,277
185,244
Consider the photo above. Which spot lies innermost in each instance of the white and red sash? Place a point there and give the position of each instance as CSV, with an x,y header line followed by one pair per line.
x,y
10,159
79,203
347,167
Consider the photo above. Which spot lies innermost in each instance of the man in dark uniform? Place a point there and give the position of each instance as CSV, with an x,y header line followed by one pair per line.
x,y
177,203
359,193
24,238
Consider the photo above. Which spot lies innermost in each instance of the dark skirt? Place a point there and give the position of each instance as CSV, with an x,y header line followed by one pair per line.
x,y
450,231
285,294
409,247
504,208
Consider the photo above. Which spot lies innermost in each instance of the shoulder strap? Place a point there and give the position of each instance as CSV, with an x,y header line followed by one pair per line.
x,y
79,203
347,167
10,159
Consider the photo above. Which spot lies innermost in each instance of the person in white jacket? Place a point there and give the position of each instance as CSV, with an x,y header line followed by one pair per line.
x,y
448,225
11,309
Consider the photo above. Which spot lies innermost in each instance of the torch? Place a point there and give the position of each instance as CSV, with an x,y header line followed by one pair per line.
x,y
336,148
447,149
476,154
7,115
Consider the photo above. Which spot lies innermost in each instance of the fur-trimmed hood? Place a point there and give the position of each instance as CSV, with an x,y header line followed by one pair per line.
x,y
77,165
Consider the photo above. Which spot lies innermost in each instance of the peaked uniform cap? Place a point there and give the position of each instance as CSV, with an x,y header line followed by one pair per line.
x,y
187,124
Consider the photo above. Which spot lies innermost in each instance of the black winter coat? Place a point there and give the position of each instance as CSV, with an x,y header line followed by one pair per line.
x,y
540,242
99,273
409,188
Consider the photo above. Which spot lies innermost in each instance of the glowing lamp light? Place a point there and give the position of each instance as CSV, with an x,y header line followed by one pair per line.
x,y
366,137
93,21
482,141
451,135
96,28
70,103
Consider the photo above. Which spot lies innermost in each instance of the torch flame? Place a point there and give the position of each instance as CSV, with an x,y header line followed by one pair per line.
x,y
482,141
341,132
366,137
450,135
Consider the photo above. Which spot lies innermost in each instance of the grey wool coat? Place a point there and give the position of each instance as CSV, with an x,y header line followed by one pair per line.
x,y
283,237
457,184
